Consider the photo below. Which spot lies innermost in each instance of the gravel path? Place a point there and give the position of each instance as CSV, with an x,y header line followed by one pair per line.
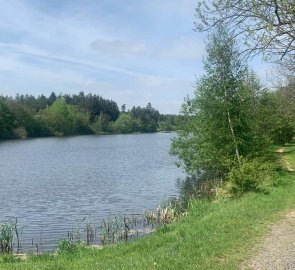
x,y
277,249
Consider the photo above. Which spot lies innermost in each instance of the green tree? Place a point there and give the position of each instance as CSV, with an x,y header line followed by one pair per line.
x,y
124,124
266,26
64,119
52,98
102,124
41,102
168,122
221,120
7,120
137,125
148,116
26,123
123,108
279,105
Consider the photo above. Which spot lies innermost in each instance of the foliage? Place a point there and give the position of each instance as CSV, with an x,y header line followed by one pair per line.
x,y
123,124
265,26
126,124
7,120
102,124
279,108
169,122
63,119
9,259
52,98
222,120
285,113
252,176
6,237
68,247
63,115
90,104
148,116
27,122
94,105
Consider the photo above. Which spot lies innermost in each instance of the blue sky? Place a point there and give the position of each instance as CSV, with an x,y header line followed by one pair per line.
x,y
131,51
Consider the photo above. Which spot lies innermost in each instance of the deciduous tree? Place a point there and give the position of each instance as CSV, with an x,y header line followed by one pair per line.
x,y
265,26
221,124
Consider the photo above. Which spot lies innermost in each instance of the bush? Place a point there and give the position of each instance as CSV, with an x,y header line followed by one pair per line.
x,y
251,176
69,247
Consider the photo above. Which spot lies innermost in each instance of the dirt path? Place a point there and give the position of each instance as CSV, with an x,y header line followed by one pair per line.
x,y
277,250
287,163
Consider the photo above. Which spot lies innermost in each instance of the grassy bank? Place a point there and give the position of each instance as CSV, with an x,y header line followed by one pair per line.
x,y
214,235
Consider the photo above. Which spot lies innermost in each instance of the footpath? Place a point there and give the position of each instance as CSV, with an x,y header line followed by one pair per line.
x,y
276,251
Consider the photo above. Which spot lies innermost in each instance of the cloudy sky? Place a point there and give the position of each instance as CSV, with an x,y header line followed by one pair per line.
x,y
131,51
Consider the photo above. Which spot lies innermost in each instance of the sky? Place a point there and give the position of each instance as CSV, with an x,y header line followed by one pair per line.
x,y
131,51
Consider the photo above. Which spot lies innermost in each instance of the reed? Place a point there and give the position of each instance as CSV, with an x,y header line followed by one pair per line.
x,y
6,237
120,228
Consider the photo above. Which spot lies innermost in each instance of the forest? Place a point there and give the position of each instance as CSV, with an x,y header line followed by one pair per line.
x,y
78,114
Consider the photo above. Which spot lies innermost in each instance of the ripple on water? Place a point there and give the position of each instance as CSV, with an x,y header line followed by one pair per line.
x,y
51,184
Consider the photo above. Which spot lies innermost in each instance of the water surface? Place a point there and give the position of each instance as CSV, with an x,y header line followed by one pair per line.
x,y
51,184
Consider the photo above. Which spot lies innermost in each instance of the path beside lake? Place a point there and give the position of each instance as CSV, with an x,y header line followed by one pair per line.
x,y
277,249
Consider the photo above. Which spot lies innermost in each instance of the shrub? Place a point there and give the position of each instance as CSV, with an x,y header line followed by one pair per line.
x,y
69,247
251,176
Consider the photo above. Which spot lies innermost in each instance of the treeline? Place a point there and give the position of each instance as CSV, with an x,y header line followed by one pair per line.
x,y
63,115
280,112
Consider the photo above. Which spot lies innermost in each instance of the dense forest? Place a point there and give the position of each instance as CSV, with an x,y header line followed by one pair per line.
x,y
63,115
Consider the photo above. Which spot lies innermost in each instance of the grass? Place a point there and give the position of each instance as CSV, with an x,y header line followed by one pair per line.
x,y
291,158
213,235
288,148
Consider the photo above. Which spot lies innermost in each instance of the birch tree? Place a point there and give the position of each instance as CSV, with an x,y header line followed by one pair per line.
x,y
221,124
265,26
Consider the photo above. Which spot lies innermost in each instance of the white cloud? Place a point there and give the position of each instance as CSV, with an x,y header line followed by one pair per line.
x,y
133,52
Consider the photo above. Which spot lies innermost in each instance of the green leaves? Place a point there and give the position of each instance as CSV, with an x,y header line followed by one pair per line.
x,y
223,120
252,175
63,119
265,27
7,121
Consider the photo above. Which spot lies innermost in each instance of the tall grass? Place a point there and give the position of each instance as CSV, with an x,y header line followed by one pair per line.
x,y
6,237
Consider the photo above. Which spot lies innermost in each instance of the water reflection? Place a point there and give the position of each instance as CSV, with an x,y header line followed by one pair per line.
x,y
202,186
53,183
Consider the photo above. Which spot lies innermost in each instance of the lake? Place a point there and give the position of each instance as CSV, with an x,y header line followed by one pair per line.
x,y
52,184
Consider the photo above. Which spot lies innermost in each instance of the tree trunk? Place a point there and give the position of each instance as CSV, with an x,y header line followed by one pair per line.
x,y
232,129
234,137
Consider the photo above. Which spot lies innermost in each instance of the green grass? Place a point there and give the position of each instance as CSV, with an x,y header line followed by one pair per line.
x,y
291,159
288,148
214,235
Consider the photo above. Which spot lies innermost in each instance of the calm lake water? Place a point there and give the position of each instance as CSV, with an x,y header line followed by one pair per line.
x,y
51,184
